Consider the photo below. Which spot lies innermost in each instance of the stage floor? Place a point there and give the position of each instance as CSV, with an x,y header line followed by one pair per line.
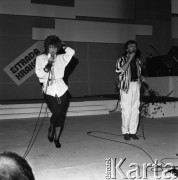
x,y
87,143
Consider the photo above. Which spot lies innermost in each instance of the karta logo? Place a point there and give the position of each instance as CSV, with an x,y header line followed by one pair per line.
x,y
114,170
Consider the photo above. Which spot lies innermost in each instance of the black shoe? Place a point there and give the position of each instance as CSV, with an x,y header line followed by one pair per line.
x,y
126,137
57,143
51,134
134,136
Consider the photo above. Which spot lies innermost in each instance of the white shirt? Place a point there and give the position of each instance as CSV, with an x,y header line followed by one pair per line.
x,y
56,85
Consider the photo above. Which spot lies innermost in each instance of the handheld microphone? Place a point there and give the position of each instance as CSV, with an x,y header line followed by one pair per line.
x,y
48,66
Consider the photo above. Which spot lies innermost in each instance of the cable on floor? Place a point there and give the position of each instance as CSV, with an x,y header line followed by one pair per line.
x,y
173,170
33,137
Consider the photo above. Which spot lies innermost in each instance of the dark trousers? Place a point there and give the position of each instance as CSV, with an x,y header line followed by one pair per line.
x,y
58,108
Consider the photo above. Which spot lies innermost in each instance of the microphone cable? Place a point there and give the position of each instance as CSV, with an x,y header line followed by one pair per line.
x,y
116,84
115,107
33,137
90,133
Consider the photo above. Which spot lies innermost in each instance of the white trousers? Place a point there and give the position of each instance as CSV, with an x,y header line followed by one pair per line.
x,y
130,103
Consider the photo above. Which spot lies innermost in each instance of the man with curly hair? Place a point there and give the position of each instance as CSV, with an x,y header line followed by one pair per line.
x,y
128,68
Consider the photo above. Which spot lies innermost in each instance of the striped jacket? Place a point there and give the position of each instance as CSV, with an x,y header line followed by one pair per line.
x,y
125,77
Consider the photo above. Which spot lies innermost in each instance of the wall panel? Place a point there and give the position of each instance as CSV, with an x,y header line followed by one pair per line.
x,y
26,8
120,9
87,31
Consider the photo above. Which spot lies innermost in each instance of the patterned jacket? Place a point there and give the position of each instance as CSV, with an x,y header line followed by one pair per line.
x,y
125,77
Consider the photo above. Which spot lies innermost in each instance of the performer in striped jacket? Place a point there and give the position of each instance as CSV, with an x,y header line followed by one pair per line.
x,y
128,68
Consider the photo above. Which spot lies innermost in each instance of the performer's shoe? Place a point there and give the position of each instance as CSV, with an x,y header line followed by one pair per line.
x,y
134,136
126,137
51,132
57,143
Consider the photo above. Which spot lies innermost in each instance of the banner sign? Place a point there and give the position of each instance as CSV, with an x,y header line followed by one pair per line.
x,y
21,68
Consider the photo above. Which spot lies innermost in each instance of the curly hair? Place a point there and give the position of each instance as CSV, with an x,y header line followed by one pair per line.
x,y
129,42
14,167
138,53
52,40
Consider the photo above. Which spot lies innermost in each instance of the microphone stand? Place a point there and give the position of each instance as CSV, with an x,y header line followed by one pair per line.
x,y
47,84
33,138
140,115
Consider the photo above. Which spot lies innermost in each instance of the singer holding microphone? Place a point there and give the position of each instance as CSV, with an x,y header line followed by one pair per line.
x,y
50,68
128,68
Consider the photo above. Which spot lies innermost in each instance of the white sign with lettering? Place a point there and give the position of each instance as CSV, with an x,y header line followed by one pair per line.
x,y
21,68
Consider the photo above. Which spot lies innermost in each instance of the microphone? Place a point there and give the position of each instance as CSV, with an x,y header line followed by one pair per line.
x,y
48,66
